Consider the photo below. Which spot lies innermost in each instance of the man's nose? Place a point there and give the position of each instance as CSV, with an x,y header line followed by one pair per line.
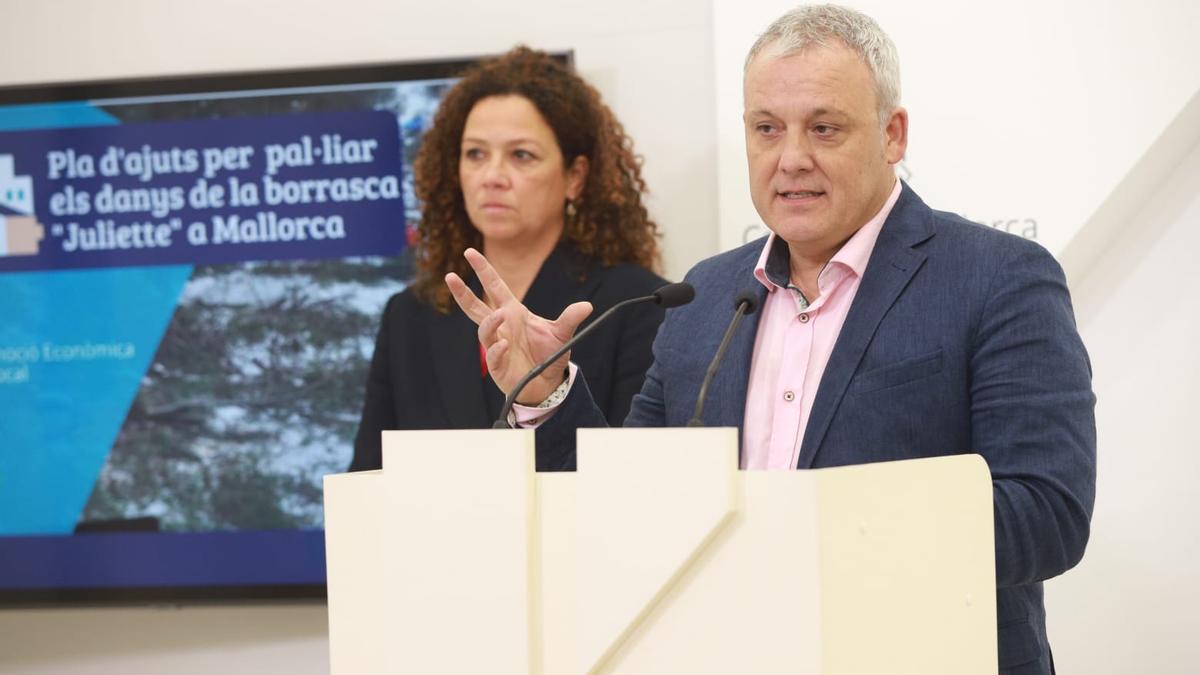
x,y
797,154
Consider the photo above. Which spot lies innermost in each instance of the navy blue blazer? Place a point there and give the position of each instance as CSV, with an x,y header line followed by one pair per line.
x,y
961,339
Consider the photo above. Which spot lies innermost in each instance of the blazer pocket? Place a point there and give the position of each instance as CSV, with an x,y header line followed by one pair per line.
x,y
896,374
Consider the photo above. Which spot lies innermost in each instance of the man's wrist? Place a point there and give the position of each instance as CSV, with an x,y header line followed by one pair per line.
x,y
530,416
555,395
559,392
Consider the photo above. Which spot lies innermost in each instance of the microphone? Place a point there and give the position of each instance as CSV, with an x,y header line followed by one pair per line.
x,y
671,295
744,305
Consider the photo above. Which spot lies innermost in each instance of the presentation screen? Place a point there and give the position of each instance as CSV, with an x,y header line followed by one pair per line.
x,y
192,272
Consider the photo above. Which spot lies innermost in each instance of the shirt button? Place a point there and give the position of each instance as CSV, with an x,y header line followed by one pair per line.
x,y
789,396
803,318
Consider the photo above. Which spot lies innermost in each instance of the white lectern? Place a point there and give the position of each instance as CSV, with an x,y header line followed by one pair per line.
x,y
656,556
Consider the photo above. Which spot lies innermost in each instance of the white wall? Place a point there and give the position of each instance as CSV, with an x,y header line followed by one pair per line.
x,y
651,60
1020,111
1131,605
264,639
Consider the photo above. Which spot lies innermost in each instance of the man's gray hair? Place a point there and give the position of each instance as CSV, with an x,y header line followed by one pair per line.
x,y
818,25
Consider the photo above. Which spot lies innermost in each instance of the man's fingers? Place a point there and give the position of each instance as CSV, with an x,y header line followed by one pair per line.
x,y
496,352
489,328
493,285
475,309
564,327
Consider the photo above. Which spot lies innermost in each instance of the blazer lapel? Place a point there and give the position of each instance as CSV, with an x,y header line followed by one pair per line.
x,y
893,264
455,356
733,377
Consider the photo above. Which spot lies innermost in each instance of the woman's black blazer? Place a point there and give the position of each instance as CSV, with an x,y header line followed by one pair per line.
x,y
425,373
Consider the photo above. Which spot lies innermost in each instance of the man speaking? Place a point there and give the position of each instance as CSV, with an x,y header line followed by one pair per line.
x,y
885,330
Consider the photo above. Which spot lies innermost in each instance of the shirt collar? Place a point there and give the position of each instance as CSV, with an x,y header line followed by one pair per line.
x,y
774,265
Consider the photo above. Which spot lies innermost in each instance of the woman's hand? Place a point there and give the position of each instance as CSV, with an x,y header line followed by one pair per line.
x,y
514,338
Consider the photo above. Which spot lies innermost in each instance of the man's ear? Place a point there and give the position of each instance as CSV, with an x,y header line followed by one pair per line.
x,y
895,134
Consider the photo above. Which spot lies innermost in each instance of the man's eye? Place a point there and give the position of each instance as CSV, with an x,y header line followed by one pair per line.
x,y
765,129
824,130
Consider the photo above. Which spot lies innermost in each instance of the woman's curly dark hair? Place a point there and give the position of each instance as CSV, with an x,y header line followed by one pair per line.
x,y
611,224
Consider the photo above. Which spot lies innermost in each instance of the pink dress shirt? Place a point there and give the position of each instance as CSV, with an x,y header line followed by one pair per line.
x,y
794,342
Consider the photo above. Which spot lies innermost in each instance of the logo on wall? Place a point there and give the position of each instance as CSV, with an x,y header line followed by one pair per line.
x,y
1022,227
20,232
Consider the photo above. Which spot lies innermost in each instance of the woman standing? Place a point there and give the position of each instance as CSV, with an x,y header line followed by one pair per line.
x,y
525,163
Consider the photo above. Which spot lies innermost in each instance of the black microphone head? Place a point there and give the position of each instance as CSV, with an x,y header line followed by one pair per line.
x,y
749,299
674,295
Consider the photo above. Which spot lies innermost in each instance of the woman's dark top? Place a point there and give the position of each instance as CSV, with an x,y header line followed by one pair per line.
x,y
426,371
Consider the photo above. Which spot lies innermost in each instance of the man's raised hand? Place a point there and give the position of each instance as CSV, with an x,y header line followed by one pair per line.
x,y
514,338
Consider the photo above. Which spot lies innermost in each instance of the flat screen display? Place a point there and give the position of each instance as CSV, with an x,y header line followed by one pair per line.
x,y
192,272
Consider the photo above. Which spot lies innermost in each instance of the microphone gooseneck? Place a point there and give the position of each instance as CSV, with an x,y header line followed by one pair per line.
x,y
744,305
671,295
